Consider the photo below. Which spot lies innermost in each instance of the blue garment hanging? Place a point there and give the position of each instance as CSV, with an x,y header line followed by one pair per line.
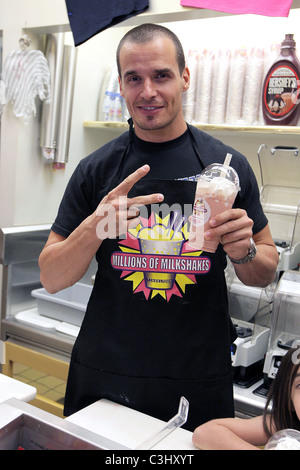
x,y
90,17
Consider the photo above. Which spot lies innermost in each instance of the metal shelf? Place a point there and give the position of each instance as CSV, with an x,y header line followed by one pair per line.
x,y
277,130
105,125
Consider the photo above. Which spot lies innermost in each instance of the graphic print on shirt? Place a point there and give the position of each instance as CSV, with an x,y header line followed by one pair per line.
x,y
157,258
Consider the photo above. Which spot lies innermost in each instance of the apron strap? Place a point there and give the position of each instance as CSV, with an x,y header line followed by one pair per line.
x,y
116,179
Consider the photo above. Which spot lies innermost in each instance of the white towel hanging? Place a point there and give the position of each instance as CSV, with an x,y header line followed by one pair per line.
x,y
26,75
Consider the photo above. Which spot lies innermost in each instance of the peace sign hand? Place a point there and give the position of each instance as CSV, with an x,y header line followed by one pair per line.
x,y
117,212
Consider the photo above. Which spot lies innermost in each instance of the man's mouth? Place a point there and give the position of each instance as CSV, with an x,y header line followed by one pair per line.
x,y
149,108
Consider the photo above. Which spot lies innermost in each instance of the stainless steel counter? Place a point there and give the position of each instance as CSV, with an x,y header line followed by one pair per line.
x,y
48,339
27,427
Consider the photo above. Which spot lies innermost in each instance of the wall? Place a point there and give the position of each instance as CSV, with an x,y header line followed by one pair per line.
x,y
30,191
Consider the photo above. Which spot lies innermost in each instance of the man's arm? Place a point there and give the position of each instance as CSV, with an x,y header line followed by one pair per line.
x,y
261,270
234,228
64,261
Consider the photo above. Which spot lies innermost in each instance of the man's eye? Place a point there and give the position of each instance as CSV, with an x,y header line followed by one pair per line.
x,y
133,79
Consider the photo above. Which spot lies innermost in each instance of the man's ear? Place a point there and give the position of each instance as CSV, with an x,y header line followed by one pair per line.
x,y
120,85
186,79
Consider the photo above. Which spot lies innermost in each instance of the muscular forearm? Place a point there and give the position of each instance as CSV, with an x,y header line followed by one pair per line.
x,y
64,261
259,272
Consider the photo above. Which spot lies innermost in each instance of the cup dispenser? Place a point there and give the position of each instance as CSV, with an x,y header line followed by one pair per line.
x,y
280,199
250,309
285,326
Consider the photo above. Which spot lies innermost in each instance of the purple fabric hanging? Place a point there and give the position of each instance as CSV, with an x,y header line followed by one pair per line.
x,y
256,7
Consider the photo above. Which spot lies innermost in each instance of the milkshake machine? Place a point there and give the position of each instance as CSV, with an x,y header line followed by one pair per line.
x,y
285,326
250,309
280,199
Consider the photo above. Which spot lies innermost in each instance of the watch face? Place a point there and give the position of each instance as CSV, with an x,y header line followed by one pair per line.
x,y
250,256
252,251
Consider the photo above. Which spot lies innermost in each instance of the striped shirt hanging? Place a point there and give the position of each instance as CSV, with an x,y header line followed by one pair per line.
x,y
26,75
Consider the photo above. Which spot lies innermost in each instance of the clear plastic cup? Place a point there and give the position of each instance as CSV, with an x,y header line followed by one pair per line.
x,y
286,439
217,187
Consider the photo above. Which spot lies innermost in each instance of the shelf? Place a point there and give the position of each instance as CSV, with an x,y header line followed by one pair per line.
x,y
249,129
105,125
294,130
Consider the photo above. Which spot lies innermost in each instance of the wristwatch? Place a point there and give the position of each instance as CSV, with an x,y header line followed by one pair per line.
x,y
249,257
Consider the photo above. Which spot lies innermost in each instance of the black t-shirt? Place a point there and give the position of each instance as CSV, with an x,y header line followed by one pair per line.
x,y
95,175
171,160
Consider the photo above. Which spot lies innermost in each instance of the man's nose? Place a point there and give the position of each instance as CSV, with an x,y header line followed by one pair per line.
x,y
149,90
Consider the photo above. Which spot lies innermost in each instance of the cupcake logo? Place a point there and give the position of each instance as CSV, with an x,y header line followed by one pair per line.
x,y
201,212
157,259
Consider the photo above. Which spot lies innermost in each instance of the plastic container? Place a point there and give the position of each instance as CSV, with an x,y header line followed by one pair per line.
x,y
68,305
280,95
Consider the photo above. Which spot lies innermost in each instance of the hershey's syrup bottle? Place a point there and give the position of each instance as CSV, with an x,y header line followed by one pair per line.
x,y
281,88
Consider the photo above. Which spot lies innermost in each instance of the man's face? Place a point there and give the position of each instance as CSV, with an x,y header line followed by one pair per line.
x,y
152,87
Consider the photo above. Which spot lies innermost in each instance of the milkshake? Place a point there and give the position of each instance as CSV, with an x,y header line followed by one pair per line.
x,y
216,191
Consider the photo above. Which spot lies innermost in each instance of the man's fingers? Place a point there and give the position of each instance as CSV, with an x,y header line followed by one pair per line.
x,y
133,212
122,190
146,200
125,186
226,216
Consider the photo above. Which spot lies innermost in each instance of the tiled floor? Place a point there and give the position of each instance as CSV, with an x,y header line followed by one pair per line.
x,y
46,385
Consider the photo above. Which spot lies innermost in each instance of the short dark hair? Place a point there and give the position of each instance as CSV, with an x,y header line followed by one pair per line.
x,y
147,32
283,415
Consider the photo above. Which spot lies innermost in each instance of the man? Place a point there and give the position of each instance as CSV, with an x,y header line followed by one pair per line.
x,y
157,324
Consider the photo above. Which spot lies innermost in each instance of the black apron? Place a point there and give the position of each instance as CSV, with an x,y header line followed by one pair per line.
x,y
157,324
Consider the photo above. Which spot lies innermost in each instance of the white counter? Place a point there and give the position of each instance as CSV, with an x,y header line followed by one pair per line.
x,y
128,427
11,388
